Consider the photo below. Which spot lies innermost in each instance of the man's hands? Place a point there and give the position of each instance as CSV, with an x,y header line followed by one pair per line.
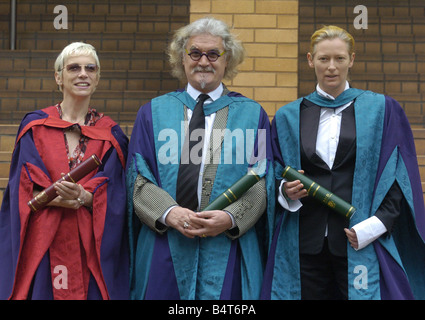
x,y
198,224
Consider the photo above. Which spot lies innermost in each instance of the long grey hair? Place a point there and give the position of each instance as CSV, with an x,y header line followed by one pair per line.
x,y
235,52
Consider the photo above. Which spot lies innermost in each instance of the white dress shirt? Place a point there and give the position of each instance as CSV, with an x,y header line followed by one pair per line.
x,y
329,129
326,145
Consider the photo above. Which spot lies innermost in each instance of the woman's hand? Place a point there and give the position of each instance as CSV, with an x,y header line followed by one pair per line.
x,y
352,237
294,190
71,195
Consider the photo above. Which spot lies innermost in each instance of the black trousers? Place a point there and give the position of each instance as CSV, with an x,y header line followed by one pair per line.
x,y
324,276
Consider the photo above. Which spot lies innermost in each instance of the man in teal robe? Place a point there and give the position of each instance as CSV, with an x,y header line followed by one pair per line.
x,y
179,252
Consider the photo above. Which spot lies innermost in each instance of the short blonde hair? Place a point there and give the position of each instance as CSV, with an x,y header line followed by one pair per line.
x,y
235,52
331,32
76,49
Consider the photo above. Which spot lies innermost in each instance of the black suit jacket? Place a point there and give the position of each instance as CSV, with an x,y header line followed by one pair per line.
x,y
314,217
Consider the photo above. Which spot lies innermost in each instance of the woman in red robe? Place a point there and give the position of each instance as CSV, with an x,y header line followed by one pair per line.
x,y
75,247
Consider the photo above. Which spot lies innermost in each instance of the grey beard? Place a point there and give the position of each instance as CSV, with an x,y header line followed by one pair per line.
x,y
200,69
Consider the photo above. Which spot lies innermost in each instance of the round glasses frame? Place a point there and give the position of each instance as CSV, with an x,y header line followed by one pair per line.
x,y
212,56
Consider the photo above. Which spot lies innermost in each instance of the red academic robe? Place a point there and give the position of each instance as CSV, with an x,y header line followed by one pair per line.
x,y
71,238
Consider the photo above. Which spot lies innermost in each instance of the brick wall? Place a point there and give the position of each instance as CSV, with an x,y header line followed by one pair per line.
x,y
130,37
269,32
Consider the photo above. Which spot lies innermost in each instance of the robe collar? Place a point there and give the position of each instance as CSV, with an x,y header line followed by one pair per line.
x,y
209,108
344,98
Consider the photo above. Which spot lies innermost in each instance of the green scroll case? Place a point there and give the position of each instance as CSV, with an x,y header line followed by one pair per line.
x,y
234,192
319,193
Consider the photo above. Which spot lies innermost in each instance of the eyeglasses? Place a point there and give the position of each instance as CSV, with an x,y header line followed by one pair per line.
x,y
196,55
76,68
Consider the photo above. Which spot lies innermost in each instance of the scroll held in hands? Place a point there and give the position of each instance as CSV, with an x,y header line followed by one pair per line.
x,y
76,174
234,192
320,193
